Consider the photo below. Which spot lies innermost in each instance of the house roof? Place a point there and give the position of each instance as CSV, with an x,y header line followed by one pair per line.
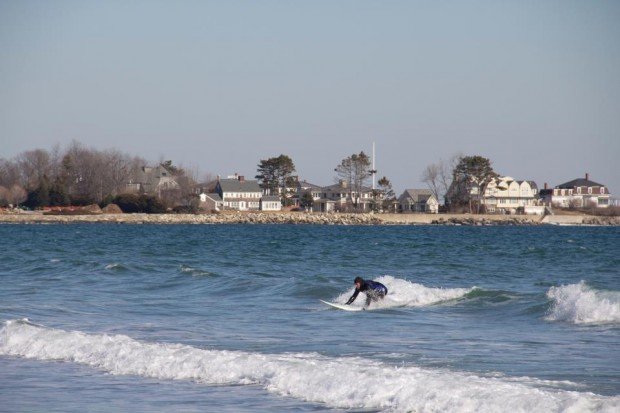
x,y
269,198
578,182
339,187
305,185
207,187
235,185
215,197
418,195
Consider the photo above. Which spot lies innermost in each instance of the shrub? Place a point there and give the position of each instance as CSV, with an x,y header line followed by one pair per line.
x,y
82,200
132,203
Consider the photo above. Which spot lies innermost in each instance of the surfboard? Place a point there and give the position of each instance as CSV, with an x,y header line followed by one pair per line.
x,y
342,306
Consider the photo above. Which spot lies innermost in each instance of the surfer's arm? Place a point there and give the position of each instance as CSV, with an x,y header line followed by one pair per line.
x,y
353,297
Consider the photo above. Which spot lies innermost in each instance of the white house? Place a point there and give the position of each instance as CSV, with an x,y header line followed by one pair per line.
x,y
270,203
239,194
418,200
508,195
306,187
340,196
315,191
579,192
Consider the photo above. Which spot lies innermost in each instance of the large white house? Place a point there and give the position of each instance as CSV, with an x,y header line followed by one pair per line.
x,y
579,192
508,195
502,195
239,194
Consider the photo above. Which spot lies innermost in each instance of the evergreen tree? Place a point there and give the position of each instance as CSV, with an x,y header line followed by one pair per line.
x,y
275,173
40,197
472,175
387,193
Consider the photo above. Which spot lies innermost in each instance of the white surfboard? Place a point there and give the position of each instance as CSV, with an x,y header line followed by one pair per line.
x,y
342,306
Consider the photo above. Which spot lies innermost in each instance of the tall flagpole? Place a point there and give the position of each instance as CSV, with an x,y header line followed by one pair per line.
x,y
373,172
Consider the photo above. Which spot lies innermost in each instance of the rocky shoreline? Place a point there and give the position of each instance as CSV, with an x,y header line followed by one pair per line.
x,y
310,218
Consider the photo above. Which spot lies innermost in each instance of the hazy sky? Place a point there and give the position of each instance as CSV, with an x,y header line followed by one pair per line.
x,y
532,85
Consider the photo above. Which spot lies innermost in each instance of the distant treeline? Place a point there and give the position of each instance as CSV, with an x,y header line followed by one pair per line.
x,y
78,175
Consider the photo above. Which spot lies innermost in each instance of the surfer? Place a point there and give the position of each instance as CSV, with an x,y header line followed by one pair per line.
x,y
373,289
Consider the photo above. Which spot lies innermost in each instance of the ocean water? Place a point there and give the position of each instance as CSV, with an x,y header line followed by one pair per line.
x,y
227,318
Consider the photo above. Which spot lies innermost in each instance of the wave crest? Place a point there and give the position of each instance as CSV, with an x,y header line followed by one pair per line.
x,y
580,304
196,272
340,382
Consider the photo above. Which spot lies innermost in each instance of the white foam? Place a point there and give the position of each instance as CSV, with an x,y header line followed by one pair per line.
x,y
194,271
580,304
403,293
338,382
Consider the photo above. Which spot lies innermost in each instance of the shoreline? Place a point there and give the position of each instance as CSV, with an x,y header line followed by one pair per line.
x,y
313,219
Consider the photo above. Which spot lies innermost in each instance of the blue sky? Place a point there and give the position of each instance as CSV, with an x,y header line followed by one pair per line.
x,y
532,85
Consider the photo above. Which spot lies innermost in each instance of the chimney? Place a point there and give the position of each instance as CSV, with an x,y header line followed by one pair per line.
x,y
587,176
546,186
241,178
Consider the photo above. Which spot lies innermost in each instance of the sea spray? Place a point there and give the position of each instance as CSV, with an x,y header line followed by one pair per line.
x,y
403,293
580,304
339,382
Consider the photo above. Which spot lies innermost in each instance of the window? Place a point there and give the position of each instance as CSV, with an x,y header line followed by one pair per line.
x,y
602,189
589,189
579,190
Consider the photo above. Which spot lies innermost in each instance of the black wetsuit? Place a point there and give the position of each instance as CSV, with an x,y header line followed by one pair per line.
x,y
373,289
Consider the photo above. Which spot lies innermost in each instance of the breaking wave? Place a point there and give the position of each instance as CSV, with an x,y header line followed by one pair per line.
x,y
196,272
338,382
115,266
403,293
580,304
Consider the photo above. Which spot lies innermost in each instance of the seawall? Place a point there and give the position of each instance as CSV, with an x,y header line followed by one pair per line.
x,y
311,218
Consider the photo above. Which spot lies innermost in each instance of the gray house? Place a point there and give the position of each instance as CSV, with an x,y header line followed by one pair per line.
x,y
154,181
211,202
418,200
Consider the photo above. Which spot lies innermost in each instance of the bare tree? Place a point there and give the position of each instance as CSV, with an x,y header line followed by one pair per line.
x,y
9,173
116,173
33,166
18,195
354,171
431,176
5,194
438,176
